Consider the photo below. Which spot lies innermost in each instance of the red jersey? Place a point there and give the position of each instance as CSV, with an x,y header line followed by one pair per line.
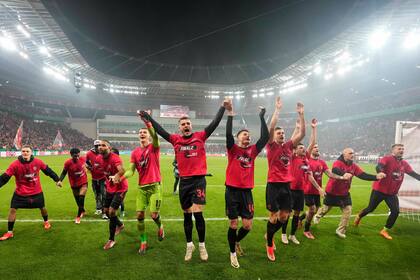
x,y
96,162
279,157
109,166
147,164
342,187
240,169
394,170
27,176
76,172
318,167
300,171
190,153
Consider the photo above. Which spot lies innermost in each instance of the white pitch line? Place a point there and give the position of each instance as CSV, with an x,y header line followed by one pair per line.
x,y
163,219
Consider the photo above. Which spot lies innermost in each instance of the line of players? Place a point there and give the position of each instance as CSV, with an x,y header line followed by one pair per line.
x,y
294,179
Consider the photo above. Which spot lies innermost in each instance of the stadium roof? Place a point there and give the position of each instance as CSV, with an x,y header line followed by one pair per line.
x,y
29,27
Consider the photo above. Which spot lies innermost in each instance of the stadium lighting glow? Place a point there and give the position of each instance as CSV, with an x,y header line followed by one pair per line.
x,y
254,95
378,39
261,95
344,57
23,31
44,50
213,96
412,40
7,43
328,76
239,92
24,55
270,93
343,70
55,74
294,88
318,69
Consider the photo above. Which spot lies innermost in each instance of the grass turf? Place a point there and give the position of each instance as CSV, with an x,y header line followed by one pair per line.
x,y
70,251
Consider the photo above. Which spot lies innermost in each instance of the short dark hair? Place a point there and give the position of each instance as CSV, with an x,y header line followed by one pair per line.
x,y
74,151
397,145
183,118
278,128
115,151
242,130
27,146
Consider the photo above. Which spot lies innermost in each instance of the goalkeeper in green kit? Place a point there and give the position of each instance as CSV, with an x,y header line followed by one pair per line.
x,y
145,159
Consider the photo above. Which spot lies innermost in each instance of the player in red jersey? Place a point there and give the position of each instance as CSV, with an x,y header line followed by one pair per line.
x,y
76,168
94,165
302,176
190,155
115,191
279,156
145,159
338,191
240,181
318,167
394,166
28,193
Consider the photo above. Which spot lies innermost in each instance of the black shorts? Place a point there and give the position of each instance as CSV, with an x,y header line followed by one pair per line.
x,y
298,200
114,200
337,200
278,197
313,199
192,190
239,202
28,202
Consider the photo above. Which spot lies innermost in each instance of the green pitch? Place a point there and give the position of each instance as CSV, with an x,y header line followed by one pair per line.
x,y
70,251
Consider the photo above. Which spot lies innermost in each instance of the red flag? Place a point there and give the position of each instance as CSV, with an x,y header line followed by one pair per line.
x,y
17,142
58,141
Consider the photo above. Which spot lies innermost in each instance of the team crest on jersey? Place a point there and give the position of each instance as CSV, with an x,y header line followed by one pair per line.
x,y
34,168
245,161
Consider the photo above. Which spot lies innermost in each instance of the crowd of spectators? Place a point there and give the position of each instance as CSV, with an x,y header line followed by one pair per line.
x,y
40,135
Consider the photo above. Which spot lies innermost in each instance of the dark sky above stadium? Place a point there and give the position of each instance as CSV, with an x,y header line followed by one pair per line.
x,y
180,32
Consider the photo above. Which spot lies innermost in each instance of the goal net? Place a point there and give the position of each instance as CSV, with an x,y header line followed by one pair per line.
x,y
408,133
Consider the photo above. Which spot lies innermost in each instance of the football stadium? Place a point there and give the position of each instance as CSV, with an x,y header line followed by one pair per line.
x,y
210,139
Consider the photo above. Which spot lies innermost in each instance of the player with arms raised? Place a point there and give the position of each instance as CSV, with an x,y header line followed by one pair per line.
x,y
190,155
279,156
240,182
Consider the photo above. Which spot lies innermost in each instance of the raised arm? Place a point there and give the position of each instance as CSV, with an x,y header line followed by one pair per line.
x,y
312,140
152,132
219,115
264,134
301,133
159,129
230,141
296,130
274,118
